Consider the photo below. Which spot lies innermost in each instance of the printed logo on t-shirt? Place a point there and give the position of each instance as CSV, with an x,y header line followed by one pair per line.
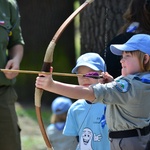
x,y
86,139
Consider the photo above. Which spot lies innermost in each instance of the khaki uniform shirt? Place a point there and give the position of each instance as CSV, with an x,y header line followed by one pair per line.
x,y
128,101
10,33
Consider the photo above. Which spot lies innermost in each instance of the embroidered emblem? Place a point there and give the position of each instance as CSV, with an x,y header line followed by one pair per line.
x,y
122,85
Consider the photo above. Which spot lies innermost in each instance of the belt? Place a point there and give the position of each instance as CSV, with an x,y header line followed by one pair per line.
x,y
129,133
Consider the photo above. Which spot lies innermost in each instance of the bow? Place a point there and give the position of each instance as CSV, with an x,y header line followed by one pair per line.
x,y
46,67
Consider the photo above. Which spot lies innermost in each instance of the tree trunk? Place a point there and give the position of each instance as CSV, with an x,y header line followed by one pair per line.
x,y
100,22
39,21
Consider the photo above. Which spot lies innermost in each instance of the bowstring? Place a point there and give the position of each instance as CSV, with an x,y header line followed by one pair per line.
x,y
106,28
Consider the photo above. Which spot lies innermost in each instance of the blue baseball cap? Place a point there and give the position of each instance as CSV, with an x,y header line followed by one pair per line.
x,y
61,105
91,60
139,42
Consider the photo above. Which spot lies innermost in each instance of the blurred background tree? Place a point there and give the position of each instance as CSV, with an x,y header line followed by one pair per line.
x,y
40,20
100,22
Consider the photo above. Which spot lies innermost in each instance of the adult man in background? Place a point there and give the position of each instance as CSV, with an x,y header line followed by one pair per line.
x,y
11,52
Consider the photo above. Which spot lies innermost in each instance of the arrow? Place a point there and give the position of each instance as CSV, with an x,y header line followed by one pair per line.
x,y
53,73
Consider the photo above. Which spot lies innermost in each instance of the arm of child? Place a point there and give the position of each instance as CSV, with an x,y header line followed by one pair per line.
x,y
47,83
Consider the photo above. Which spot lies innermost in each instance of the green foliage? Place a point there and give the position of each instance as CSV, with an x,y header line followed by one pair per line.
x,y
77,32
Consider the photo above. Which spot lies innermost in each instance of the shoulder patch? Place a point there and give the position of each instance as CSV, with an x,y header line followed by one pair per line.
x,y
122,85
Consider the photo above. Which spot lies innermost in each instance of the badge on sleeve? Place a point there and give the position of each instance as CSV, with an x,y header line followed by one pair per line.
x,y
122,85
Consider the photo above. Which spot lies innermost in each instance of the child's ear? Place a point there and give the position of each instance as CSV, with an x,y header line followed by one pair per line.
x,y
146,58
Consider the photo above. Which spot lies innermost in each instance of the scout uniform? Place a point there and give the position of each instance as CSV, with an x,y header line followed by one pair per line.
x,y
10,35
127,113
128,100
130,89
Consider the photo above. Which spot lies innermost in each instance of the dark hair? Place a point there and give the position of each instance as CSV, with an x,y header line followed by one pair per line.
x,y
138,11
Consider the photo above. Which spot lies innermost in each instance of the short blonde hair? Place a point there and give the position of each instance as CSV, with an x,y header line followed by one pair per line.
x,y
58,118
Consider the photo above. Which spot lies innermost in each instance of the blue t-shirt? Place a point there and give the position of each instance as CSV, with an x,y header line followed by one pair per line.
x,y
87,121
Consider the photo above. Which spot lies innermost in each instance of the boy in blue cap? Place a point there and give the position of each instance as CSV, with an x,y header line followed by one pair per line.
x,y
60,107
127,97
85,120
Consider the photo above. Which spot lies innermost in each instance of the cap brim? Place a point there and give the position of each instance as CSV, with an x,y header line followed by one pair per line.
x,y
118,49
74,70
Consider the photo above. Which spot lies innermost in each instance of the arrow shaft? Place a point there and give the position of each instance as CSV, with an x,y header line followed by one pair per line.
x,y
47,73
40,72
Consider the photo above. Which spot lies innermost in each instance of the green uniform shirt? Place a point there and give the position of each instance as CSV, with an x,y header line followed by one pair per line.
x,y
10,33
128,101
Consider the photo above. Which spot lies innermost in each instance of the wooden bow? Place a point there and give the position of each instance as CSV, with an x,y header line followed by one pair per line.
x,y
48,59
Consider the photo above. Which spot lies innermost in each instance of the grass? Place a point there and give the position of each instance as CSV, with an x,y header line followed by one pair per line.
x,y
31,137
29,111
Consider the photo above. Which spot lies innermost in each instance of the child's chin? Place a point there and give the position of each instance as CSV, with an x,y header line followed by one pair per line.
x,y
124,74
